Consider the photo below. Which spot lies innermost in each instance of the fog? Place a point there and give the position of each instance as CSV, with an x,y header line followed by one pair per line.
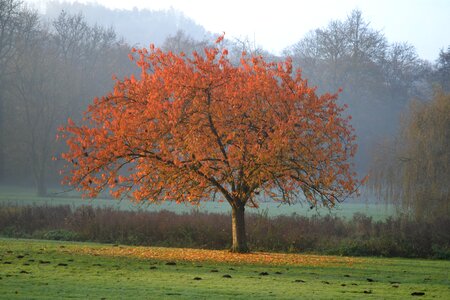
x,y
54,62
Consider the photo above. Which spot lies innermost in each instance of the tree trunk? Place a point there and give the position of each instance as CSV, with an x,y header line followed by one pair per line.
x,y
2,141
41,187
238,229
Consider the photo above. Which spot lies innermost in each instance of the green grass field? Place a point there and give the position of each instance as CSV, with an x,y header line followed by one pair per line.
x,y
26,196
32,269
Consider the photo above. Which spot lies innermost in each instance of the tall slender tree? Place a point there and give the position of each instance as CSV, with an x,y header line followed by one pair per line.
x,y
17,24
412,171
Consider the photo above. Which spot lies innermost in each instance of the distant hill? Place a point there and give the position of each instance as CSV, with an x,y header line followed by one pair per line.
x,y
137,27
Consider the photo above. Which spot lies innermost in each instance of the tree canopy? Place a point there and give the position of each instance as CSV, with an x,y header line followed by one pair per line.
x,y
191,128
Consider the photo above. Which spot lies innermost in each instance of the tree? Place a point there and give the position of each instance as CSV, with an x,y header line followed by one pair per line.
x,y
37,103
85,51
191,129
16,24
412,170
182,42
442,73
343,54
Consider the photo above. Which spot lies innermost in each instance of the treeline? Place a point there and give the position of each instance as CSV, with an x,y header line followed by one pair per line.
x,y
359,236
379,78
48,72
140,26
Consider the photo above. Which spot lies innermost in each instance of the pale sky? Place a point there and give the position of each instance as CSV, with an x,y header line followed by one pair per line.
x,y
275,25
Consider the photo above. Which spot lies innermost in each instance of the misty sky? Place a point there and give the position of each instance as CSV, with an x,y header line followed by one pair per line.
x,y
274,25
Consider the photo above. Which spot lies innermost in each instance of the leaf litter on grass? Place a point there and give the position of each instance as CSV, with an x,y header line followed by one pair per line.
x,y
223,256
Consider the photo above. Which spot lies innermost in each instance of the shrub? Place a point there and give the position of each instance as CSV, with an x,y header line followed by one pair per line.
x,y
61,235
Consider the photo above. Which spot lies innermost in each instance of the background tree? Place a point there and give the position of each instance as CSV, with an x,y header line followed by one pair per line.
x,y
182,42
412,171
37,102
441,74
342,55
190,129
16,24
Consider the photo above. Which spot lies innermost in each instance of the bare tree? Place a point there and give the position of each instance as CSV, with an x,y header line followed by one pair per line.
x,y
182,42
10,28
39,103
343,54
441,75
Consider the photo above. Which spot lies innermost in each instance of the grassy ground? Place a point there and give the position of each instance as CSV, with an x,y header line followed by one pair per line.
x,y
50,270
26,196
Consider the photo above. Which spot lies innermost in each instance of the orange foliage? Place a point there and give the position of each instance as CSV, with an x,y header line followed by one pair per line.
x,y
188,128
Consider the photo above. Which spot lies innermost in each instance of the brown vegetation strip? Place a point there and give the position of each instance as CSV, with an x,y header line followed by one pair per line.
x,y
198,255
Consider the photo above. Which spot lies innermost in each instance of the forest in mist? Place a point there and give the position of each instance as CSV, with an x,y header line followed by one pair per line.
x,y
52,65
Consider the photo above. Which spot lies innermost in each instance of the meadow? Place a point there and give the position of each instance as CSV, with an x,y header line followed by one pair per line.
x,y
33,269
364,205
